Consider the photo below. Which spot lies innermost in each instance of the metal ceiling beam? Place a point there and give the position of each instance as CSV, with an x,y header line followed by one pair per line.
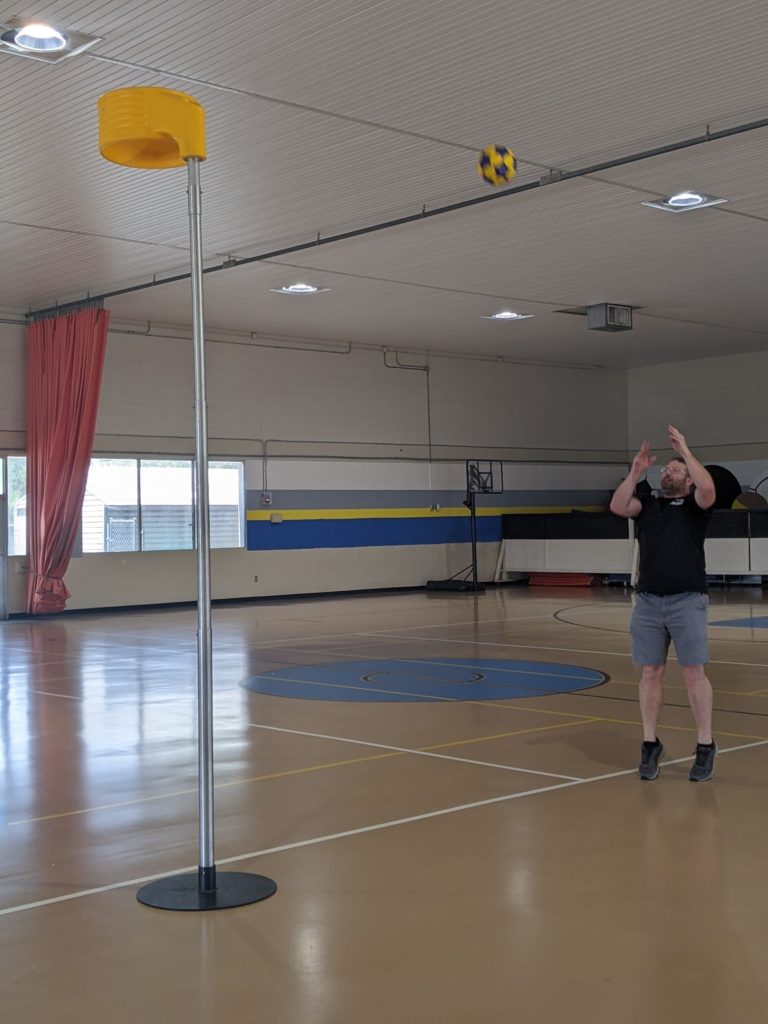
x,y
552,178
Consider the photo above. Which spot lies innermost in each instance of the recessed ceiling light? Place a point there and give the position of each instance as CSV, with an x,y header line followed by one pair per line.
x,y
507,314
39,37
37,41
686,199
681,202
299,289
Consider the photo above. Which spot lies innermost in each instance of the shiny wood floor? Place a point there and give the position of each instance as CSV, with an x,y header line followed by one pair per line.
x,y
438,863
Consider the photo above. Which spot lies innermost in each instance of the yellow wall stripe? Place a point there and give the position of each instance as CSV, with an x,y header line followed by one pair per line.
x,y
287,514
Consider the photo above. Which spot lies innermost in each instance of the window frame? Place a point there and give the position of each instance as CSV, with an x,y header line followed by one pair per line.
x,y
137,461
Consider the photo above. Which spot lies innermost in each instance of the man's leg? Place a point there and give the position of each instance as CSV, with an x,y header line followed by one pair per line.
x,y
700,698
688,625
650,708
699,695
650,642
651,681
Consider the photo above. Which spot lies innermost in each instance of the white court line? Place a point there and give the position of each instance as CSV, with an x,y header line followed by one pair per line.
x,y
422,697
378,827
188,651
333,636
128,634
539,647
342,739
66,696
511,620
430,753
358,656
103,651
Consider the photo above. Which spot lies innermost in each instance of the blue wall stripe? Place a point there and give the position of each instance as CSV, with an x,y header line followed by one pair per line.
x,y
361,533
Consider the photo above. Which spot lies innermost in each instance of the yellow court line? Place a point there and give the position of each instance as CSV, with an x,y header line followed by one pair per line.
x,y
218,785
290,771
613,721
293,771
348,833
506,735
681,728
577,720
309,768
676,686
427,698
601,718
508,707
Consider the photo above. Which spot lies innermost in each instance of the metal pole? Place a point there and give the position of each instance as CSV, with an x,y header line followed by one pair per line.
x,y
473,523
207,889
206,871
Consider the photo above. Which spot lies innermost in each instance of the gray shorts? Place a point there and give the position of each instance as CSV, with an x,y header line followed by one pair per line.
x,y
657,619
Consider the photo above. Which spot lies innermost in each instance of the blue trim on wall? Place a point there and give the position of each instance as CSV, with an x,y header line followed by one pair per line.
x,y
363,533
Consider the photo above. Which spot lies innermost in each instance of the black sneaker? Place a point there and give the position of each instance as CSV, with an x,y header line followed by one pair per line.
x,y
704,764
650,754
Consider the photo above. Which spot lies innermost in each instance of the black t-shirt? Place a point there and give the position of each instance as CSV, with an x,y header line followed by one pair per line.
x,y
671,533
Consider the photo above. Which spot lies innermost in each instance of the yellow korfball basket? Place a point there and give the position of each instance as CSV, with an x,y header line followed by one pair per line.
x,y
150,127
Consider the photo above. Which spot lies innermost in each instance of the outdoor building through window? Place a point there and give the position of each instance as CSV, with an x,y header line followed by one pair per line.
x,y
141,505
111,506
17,505
167,516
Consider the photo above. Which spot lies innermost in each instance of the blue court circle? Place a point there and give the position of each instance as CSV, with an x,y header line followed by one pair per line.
x,y
436,679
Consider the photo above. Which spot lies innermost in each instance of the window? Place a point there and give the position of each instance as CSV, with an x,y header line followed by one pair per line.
x,y
167,515
226,498
142,505
17,505
111,506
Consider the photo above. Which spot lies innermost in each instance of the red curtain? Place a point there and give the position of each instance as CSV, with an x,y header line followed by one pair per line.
x,y
64,366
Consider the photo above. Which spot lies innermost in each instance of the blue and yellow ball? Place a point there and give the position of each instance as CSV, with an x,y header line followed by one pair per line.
x,y
497,165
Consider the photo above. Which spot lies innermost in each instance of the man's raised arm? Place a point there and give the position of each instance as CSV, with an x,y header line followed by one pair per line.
x,y
624,503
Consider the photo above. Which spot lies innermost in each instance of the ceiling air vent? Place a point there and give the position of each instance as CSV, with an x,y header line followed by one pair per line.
x,y
609,317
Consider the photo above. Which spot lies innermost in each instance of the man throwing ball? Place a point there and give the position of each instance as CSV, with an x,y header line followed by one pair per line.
x,y
671,593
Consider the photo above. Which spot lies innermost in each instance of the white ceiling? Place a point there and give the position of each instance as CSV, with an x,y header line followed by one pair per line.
x,y
327,117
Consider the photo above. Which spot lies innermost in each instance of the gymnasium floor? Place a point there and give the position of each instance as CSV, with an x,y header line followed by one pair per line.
x,y
440,859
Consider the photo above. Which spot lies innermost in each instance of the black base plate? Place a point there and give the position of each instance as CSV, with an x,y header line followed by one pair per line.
x,y
181,892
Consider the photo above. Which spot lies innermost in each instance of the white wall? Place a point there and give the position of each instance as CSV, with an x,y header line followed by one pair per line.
x,y
529,409
312,404
257,394
352,406
354,475
13,385
164,577
719,404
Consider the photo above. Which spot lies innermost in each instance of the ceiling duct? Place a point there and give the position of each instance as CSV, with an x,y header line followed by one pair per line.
x,y
607,316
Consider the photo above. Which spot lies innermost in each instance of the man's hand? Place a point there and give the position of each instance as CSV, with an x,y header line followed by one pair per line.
x,y
677,442
704,491
643,461
624,503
